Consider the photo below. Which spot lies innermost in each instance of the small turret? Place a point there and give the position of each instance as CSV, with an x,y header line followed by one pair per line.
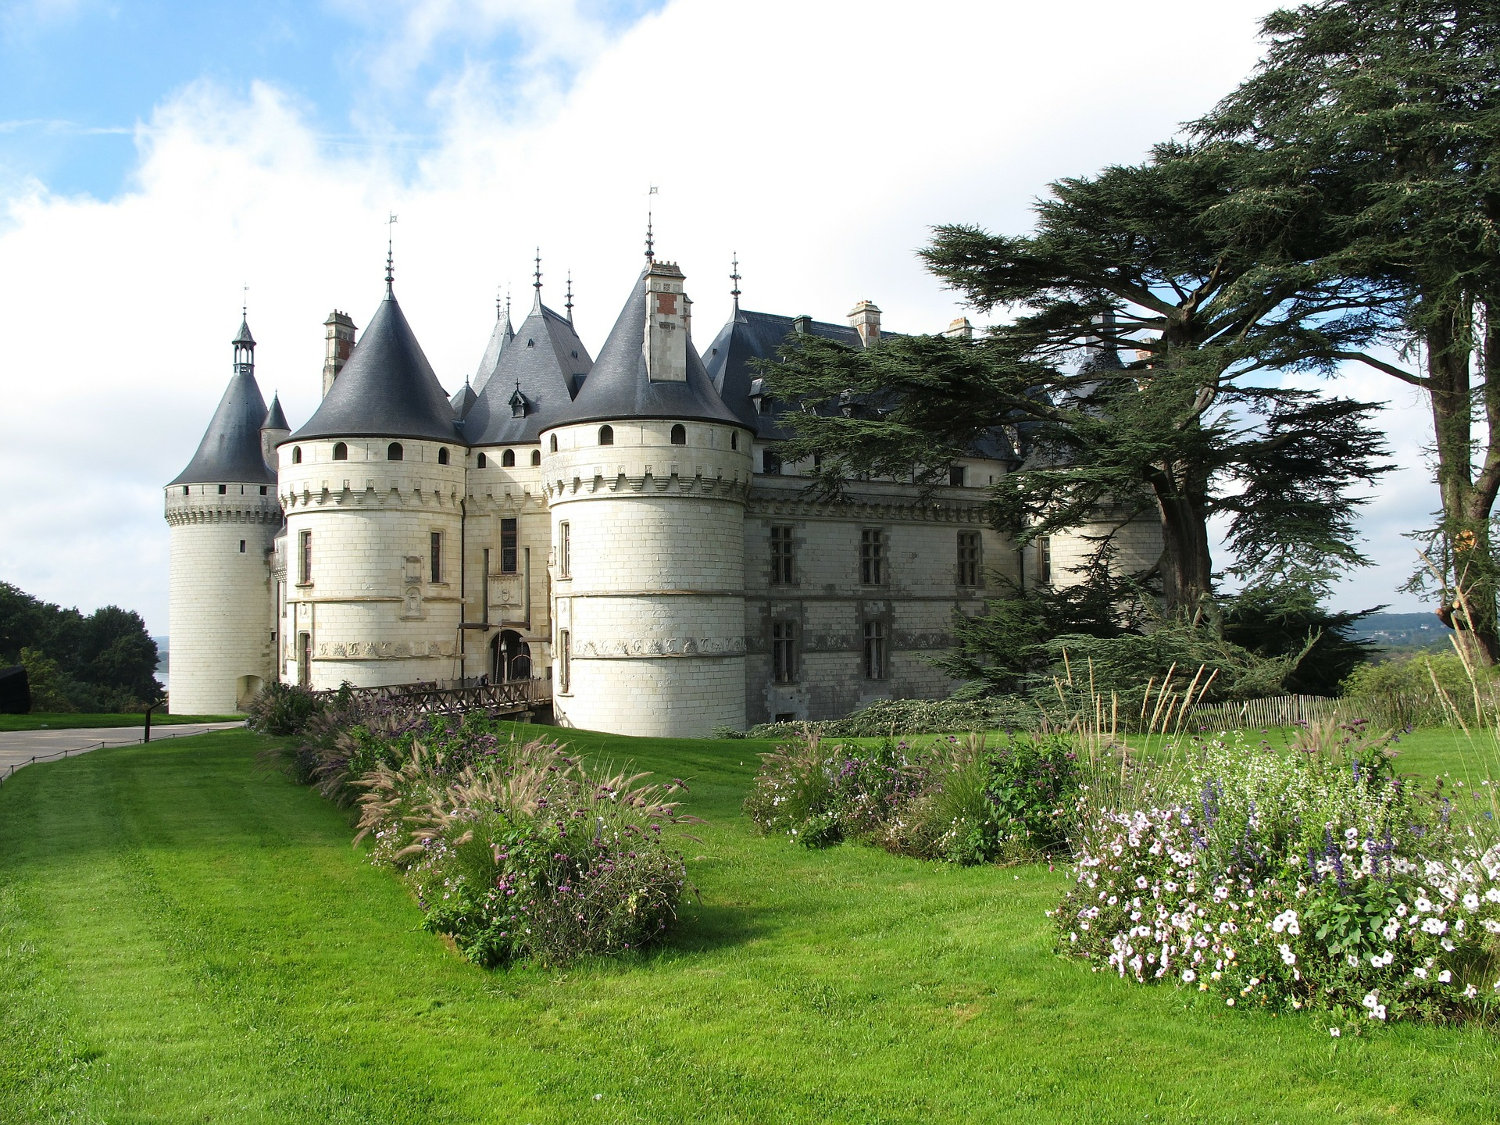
x,y
864,318
273,430
340,344
667,321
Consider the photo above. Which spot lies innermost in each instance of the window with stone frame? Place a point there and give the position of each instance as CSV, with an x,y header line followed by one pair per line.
x,y
783,556
874,650
304,557
435,556
872,556
784,652
508,540
564,550
969,558
1044,561
564,660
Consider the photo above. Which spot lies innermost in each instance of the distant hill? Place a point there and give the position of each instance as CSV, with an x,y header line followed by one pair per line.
x,y
161,651
1402,630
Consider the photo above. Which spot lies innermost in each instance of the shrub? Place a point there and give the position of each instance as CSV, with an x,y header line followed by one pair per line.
x,y
282,709
1423,689
516,852
957,800
895,718
1289,879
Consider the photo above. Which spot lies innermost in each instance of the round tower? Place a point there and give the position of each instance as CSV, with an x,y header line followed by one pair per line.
x,y
223,514
373,490
646,474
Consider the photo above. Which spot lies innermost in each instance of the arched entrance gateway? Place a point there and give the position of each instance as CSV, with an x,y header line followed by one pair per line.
x,y
510,657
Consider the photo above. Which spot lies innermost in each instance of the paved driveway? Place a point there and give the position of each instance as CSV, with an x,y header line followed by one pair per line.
x,y
20,747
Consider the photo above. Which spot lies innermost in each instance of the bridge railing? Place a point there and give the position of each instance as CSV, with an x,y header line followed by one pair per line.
x,y
511,697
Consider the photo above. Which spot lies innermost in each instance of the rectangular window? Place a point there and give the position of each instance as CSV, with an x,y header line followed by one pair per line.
x,y
782,573
484,581
968,558
564,550
874,650
1044,561
435,556
304,557
784,651
872,550
507,546
242,546
564,657
956,476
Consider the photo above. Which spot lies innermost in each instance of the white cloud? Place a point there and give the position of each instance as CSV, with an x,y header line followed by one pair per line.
x,y
819,141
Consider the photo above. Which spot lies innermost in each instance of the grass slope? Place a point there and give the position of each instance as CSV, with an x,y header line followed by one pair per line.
x,y
184,936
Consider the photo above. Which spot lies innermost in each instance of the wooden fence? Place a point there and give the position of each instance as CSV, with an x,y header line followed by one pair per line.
x,y
1391,712
511,698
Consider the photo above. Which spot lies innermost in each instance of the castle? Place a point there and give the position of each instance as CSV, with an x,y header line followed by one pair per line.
x,y
620,525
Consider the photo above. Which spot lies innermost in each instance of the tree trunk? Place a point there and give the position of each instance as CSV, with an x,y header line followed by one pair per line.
x,y
1186,561
1466,509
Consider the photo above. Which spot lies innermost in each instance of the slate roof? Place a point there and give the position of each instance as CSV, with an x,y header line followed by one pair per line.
x,y
230,450
502,335
751,336
548,360
275,417
462,399
385,389
618,386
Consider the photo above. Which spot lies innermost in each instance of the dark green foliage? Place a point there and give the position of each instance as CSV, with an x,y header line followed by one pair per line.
x,y
283,709
958,801
1287,619
1384,111
99,663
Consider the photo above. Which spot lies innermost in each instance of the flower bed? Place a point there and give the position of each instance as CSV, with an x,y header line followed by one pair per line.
x,y
1290,880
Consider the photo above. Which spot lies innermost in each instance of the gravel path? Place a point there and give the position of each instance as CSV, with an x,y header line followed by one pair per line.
x,y
22,747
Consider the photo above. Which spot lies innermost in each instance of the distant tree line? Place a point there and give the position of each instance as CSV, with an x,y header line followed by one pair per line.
x,y
101,662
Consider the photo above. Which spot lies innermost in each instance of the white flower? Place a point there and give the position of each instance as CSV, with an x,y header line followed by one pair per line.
x,y
1287,956
1371,998
1189,976
1471,901
1229,1000
1445,977
1333,1031
1392,928
1378,1012
1423,905
1351,834
1419,972
1470,992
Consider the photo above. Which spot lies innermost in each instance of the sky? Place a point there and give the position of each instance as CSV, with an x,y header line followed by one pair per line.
x,y
162,163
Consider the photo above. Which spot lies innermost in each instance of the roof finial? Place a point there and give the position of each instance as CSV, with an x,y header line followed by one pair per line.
x,y
507,302
497,302
537,284
568,304
245,304
650,238
390,270
734,276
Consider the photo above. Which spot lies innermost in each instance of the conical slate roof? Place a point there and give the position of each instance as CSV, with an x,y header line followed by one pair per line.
x,y
618,386
386,389
462,399
275,417
230,450
501,336
546,359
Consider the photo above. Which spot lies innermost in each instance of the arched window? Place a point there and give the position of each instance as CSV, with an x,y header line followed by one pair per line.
x,y
734,439
508,458
554,443
296,455
679,434
483,461
443,456
536,454
394,452
606,435
340,451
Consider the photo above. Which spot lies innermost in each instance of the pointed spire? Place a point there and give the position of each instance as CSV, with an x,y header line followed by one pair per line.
x,y
537,280
509,331
734,276
650,239
568,304
390,260
244,344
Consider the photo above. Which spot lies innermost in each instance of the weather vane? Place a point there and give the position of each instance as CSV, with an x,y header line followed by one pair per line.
x,y
734,276
389,249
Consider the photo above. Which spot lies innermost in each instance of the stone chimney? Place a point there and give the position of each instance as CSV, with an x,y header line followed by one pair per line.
x,y
959,328
340,344
864,318
667,320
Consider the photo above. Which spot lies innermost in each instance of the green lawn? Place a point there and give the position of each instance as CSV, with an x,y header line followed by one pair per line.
x,y
64,721
186,936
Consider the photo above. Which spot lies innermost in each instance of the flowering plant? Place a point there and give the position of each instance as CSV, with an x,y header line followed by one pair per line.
x,y
1292,880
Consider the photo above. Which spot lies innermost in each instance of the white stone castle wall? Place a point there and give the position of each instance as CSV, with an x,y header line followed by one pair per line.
x,y
829,604
1137,544
373,613
218,596
653,598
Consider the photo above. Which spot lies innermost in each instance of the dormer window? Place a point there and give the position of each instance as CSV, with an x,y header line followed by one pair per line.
x,y
606,435
394,452
518,403
340,451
